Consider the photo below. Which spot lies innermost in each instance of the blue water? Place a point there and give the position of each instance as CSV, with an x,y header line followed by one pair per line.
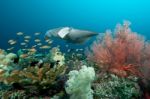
x,y
32,16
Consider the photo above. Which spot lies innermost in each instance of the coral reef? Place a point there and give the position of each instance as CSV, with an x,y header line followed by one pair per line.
x,y
79,83
35,79
114,87
34,74
116,66
123,53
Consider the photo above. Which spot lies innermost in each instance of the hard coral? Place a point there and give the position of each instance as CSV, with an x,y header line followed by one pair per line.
x,y
121,53
114,87
35,80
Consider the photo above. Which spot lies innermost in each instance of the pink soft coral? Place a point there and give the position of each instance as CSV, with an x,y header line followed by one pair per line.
x,y
122,53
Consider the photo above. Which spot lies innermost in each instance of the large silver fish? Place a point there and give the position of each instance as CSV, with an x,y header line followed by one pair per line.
x,y
70,34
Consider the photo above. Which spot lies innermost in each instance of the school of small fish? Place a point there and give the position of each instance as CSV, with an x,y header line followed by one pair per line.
x,y
32,43
27,39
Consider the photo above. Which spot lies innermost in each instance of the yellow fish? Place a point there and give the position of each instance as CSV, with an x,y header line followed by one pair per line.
x,y
23,43
39,44
37,40
19,33
38,33
45,47
9,49
27,37
12,42
26,41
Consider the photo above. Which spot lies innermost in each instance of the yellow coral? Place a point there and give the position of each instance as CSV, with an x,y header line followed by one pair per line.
x,y
6,59
56,55
34,75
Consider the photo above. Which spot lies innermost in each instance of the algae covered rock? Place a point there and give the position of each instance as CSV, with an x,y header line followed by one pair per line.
x,y
79,83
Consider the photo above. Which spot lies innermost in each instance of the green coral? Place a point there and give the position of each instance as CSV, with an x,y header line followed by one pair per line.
x,y
113,87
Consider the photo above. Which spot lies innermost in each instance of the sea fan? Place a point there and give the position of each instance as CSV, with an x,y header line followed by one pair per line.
x,y
122,53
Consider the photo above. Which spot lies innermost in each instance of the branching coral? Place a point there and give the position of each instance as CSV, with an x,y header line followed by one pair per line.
x,y
37,74
35,79
123,53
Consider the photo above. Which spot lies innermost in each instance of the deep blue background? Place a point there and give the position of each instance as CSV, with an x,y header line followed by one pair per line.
x,y
31,16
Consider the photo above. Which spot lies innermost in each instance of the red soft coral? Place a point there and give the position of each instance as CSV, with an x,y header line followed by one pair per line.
x,y
121,53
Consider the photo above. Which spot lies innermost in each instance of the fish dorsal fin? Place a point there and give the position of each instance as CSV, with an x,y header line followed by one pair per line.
x,y
63,32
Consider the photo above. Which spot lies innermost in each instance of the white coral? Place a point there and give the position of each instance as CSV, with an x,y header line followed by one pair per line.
x,y
6,59
79,83
56,55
